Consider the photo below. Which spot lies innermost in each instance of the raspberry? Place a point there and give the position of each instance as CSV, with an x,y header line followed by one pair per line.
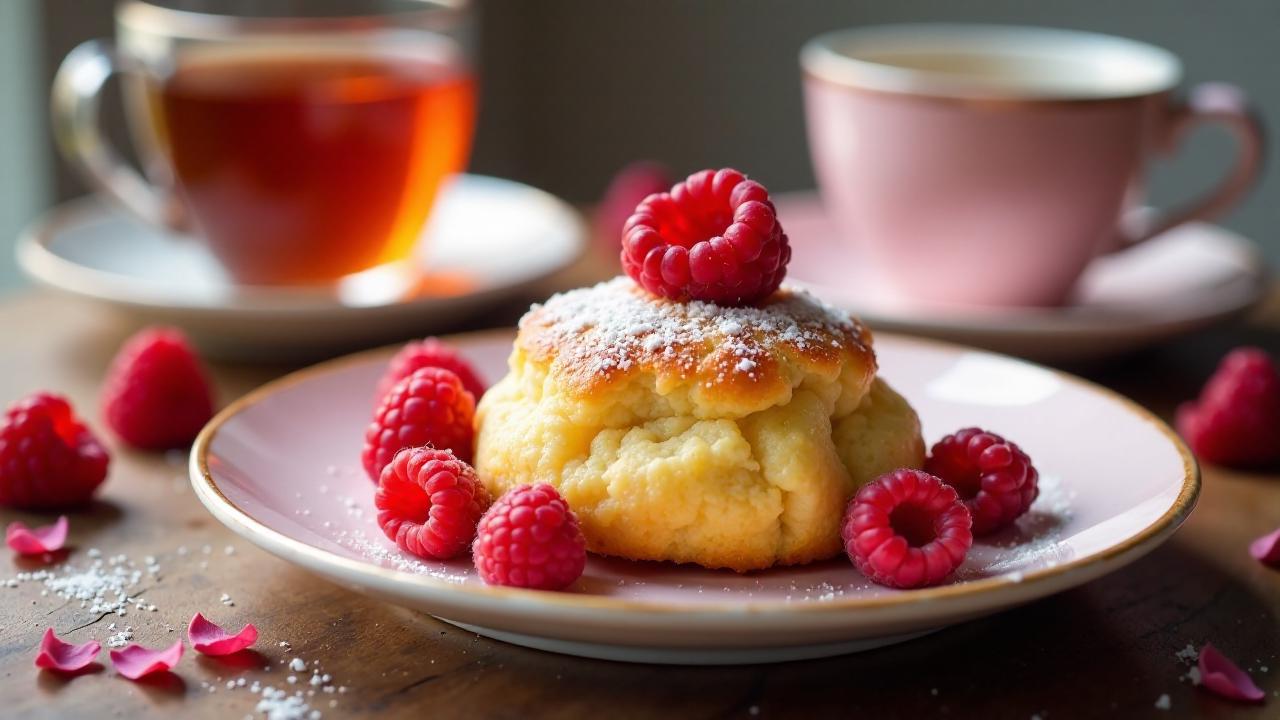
x,y
48,458
429,502
430,407
429,353
156,395
993,476
530,538
1236,420
906,529
714,237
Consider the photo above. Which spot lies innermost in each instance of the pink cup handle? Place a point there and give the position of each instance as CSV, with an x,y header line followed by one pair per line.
x,y
1227,105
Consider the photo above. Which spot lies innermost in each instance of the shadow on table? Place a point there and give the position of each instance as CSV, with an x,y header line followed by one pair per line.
x,y
162,687
247,659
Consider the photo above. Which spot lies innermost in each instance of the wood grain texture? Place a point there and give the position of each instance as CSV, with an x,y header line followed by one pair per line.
x,y
1103,650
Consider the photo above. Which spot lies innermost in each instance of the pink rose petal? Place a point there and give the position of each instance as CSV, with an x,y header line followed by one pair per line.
x,y
211,639
36,541
136,661
1266,549
1221,677
56,654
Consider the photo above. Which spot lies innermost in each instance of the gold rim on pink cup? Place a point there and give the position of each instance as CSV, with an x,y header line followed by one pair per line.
x,y
989,165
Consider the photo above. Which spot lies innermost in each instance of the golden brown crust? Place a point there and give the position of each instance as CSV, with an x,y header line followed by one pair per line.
x,y
599,338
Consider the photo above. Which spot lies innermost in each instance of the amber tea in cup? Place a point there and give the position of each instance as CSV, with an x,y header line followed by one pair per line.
x,y
299,149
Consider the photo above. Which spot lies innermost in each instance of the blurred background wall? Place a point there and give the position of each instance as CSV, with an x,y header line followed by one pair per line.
x,y
574,89
25,158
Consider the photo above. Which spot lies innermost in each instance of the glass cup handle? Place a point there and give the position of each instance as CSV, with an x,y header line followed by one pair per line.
x,y
1222,104
74,108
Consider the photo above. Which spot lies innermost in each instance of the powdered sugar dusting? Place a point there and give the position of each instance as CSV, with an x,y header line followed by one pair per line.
x,y
1034,542
102,587
381,551
616,324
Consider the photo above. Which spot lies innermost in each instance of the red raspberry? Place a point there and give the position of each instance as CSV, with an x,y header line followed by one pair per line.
x,y
430,407
48,458
995,478
714,237
429,353
429,502
1236,420
906,529
530,538
156,395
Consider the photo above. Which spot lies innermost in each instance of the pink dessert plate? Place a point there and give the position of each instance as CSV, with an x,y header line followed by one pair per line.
x,y
1190,278
281,468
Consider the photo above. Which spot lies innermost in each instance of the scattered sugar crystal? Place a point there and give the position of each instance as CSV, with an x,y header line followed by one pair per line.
x,y
226,600
1187,654
1163,702
121,638
298,665
279,705
229,550
379,550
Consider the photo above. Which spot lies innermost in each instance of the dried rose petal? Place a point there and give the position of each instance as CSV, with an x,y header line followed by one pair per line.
x,y
1221,677
1266,549
56,654
136,661
211,639
36,541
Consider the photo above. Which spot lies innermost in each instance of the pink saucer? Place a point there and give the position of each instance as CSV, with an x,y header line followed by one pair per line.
x,y
281,468
1190,278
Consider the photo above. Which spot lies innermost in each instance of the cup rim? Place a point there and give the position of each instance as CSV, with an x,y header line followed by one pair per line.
x,y
831,57
148,17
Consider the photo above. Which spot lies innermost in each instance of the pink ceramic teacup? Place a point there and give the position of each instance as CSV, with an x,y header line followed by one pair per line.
x,y
988,165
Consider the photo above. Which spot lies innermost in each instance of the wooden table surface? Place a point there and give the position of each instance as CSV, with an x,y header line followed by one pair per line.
x,y
1104,650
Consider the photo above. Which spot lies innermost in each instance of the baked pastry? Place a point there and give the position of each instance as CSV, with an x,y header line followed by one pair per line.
x,y
691,432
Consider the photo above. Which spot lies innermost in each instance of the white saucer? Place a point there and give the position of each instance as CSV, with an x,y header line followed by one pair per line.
x,y
1190,278
487,240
